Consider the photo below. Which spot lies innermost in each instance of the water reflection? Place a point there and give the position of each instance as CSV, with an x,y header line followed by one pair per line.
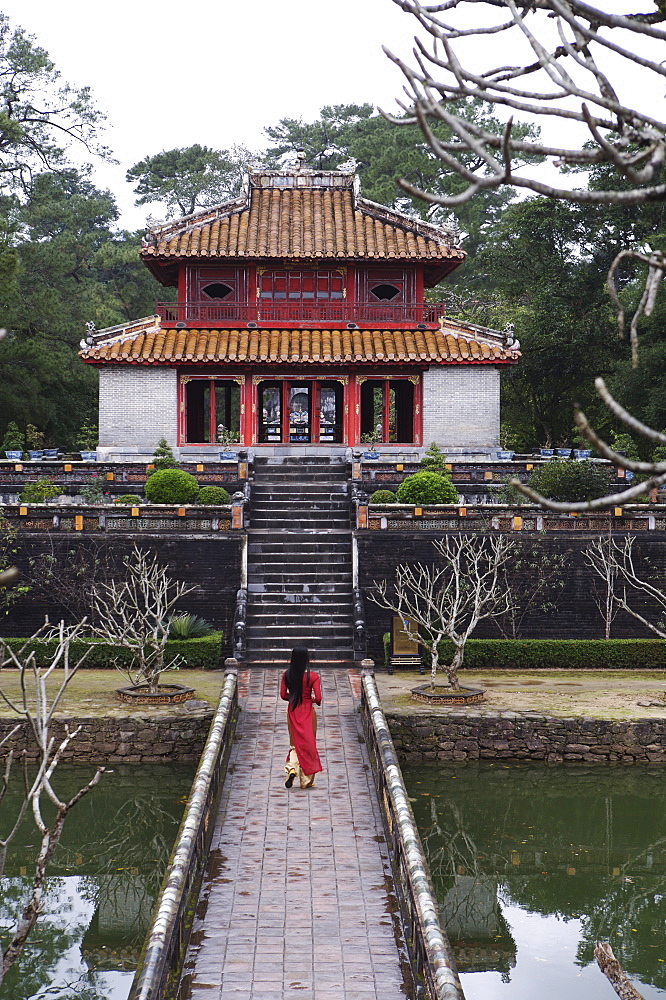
x,y
533,864
101,887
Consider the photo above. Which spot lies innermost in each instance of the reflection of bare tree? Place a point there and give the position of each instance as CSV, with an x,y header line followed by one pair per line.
x,y
132,858
37,706
469,907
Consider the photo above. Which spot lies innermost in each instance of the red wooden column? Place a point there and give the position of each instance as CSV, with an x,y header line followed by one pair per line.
x,y
418,411
353,407
248,409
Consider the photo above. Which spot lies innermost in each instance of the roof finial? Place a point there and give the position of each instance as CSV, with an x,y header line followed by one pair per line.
x,y
300,158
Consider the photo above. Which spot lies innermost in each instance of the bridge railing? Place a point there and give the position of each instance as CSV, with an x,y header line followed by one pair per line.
x,y
166,942
430,952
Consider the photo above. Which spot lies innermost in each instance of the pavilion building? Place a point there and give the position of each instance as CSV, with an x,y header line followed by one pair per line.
x,y
300,325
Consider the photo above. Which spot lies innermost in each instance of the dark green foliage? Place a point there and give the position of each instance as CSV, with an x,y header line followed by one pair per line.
x,y
189,627
88,436
383,496
40,491
190,178
571,481
128,498
213,495
14,439
163,457
561,654
64,238
199,654
659,453
386,642
625,443
171,486
427,487
434,460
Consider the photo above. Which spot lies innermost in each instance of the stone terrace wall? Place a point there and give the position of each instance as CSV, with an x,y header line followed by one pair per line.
x,y
122,741
576,615
428,738
210,563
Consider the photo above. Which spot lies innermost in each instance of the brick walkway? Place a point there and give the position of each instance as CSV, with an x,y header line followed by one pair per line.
x,y
298,898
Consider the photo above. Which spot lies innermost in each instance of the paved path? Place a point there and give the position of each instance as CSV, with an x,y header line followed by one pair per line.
x,y
298,899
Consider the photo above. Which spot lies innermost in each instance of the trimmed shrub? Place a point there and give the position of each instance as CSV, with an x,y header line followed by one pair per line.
x,y
199,654
14,439
128,498
434,459
189,627
215,495
40,491
427,487
571,481
560,654
383,496
171,486
163,457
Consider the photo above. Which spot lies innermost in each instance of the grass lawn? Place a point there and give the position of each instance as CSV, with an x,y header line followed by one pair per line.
x,y
612,694
93,692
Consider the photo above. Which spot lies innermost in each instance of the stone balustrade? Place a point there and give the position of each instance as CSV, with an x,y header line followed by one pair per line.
x,y
508,518
109,518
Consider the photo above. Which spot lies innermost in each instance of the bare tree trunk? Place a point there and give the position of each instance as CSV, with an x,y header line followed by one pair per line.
x,y
456,665
614,972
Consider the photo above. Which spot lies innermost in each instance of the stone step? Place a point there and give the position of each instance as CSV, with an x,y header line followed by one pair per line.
x,y
289,557
301,488
309,602
302,524
262,663
299,476
267,615
292,586
328,649
261,544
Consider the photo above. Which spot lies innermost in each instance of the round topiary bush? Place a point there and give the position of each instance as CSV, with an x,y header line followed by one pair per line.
x,y
571,482
128,498
383,496
171,486
213,495
427,487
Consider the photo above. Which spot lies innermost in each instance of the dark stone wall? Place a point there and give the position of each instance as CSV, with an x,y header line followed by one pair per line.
x,y
210,562
120,741
575,615
420,738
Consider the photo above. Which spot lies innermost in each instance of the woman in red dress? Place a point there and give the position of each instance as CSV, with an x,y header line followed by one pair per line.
x,y
301,688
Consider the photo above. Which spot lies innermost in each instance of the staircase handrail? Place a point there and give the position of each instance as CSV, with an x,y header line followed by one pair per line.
x,y
239,631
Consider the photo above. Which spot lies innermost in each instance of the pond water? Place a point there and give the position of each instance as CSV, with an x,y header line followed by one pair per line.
x,y
533,864
102,882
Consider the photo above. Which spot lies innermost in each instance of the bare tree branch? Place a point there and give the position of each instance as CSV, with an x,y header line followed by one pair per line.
x,y
37,707
449,600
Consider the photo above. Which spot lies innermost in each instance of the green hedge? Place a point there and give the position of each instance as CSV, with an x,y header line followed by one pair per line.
x,y
199,654
561,654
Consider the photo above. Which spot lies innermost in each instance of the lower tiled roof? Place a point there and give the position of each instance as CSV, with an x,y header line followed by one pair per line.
x,y
169,346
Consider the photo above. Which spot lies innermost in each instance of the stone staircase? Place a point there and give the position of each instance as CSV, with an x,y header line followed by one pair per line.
x,y
299,570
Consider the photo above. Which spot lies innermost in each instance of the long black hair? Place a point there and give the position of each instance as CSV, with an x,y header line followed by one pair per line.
x,y
298,667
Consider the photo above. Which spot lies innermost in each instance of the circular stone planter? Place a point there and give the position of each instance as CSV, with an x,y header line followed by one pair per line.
x,y
440,695
167,694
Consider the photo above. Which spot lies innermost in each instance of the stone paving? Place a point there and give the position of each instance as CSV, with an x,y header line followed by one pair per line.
x,y
298,897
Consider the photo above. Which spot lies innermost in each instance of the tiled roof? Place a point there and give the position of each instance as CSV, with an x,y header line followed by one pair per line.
x,y
170,346
302,215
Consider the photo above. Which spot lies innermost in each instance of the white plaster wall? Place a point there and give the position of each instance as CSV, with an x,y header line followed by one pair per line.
x,y
137,407
461,408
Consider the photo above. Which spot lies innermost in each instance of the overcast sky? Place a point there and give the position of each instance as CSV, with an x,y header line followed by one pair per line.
x,y
171,74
